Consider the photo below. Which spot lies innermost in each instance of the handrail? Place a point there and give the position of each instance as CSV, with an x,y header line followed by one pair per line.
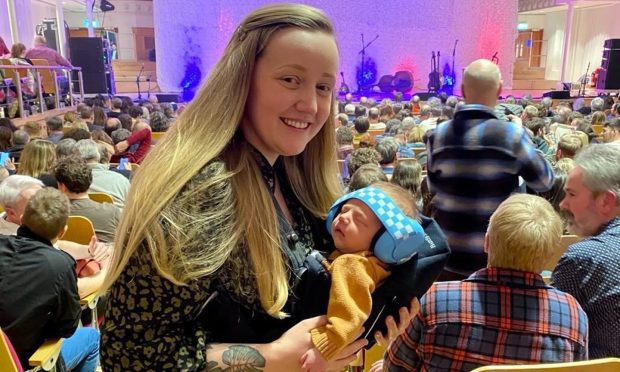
x,y
38,82
38,67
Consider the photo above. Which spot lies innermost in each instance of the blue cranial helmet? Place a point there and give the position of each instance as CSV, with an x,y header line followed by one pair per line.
x,y
401,236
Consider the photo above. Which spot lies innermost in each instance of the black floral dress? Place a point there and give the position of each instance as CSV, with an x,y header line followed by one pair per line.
x,y
152,324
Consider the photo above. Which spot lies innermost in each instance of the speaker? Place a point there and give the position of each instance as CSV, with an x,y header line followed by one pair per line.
x,y
612,44
87,53
557,94
609,78
424,96
161,98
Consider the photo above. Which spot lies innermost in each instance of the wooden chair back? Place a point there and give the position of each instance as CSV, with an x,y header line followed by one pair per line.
x,y
595,365
9,73
47,77
376,132
597,128
156,136
79,230
565,241
44,358
8,357
101,197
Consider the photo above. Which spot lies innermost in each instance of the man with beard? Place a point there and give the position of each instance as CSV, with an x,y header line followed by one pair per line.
x,y
590,269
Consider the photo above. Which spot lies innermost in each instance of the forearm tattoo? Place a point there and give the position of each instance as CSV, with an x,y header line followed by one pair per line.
x,y
238,358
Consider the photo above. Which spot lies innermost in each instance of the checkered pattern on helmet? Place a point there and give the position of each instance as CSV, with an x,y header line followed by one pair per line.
x,y
390,215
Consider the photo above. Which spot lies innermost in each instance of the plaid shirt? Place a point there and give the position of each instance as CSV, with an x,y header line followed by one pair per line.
x,y
474,163
496,316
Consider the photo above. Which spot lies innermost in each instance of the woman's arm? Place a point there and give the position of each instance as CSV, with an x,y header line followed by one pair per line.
x,y
281,355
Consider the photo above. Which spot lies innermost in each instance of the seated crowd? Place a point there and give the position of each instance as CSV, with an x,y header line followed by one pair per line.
x,y
504,180
50,170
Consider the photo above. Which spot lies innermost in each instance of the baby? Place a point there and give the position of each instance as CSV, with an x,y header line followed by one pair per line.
x,y
372,228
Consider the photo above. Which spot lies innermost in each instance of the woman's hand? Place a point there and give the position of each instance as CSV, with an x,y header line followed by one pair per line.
x,y
294,343
394,330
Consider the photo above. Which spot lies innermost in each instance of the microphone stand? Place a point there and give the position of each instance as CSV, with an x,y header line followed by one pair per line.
x,y
148,80
138,82
495,59
363,53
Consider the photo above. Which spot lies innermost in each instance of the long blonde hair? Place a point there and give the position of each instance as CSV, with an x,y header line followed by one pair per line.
x,y
38,157
209,129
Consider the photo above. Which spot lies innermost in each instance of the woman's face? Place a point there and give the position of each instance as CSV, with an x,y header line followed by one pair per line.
x,y
291,92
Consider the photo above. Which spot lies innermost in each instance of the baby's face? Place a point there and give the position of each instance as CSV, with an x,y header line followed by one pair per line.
x,y
354,227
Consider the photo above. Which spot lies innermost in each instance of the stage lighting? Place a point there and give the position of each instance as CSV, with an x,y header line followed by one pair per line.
x,y
106,6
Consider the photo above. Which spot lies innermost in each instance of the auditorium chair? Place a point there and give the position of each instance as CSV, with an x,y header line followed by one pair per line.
x,y
100,197
80,230
48,84
597,128
44,359
596,365
550,265
376,132
156,136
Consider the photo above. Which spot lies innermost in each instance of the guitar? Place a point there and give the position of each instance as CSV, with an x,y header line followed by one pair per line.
x,y
344,88
434,82
449,79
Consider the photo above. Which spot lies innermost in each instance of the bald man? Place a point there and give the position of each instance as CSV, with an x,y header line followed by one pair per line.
x,y
41,51
475,161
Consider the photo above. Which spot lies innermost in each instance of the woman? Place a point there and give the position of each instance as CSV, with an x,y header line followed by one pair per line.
x,y
6,139
214,229
99,117
18,57
408,175
38,160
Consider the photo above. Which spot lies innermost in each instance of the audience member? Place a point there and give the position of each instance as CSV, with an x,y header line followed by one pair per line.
x,y
40,296
38,160
388,148
66,147
41,51
35,130
104,180
54,129
373,119
6,140
249,184
99,119
361,127
611,131
363,156
344,141
126,121
115,112
589,269
366,175
74,179
501,314
474,162
537,127
568,146
111,125
408,175
159,122
136,146
77,134
20,139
